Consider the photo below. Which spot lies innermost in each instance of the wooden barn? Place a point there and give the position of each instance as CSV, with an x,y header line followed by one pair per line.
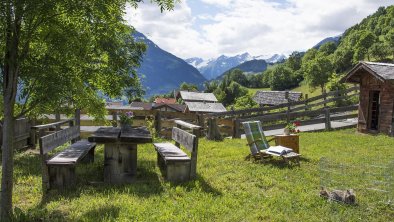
x,y
375,113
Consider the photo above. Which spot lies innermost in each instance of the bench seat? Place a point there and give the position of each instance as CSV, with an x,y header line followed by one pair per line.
x,y
72,154
170,152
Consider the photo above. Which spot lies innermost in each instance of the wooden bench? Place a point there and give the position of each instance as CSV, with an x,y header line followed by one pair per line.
x,y
58,171
174,163
196,130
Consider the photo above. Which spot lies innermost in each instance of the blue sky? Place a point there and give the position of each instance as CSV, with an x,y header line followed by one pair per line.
x,y
210,28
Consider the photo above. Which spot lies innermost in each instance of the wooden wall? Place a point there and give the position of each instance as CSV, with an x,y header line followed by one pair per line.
x,y
369,83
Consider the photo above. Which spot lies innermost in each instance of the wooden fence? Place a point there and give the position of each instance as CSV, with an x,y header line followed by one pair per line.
x,y
21,133
319,109
313,110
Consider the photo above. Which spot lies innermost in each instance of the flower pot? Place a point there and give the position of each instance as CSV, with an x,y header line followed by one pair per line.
x,y
286,132
125,126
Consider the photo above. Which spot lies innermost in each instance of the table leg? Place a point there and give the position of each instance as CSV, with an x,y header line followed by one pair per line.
x,y
120,163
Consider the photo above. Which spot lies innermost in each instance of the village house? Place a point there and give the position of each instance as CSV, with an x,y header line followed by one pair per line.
x,y
273,98
197,102
376,80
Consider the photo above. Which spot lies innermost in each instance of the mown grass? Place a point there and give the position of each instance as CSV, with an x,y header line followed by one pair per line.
x,y
228,187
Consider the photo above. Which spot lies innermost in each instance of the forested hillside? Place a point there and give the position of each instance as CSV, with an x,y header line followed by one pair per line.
x,y
370,40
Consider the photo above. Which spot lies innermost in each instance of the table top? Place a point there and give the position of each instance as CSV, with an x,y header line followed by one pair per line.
x,y
114,134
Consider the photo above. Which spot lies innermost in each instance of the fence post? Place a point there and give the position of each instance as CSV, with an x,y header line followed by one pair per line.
x,y
201,122
213,131
328,119
57,118
306,102
114,118
158,123
236,129
324,98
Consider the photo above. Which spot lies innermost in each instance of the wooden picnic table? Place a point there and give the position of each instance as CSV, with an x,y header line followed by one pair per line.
x,y
120,151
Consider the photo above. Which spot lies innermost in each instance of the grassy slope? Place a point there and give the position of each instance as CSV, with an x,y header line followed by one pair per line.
x,y
228,188
302,88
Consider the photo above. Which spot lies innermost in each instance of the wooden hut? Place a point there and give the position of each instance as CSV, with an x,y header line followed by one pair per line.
x,y
273,98
375,113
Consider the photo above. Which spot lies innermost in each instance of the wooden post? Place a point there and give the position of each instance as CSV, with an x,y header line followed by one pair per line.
x,y
306,102
201,122
33,140
114,119
158,123
324,97
392,122
57,118
328,119
78,121
213,131
236,129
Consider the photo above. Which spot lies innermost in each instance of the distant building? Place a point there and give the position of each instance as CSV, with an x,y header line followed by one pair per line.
x,y
376,106
196,97
198,102
201,107
141,106
159,100
169,107
273,98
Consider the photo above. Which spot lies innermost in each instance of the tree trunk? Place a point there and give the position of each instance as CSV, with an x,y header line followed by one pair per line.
x,y
7,164
10,82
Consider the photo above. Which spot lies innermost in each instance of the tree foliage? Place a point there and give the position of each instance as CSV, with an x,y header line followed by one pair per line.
x,y
58,54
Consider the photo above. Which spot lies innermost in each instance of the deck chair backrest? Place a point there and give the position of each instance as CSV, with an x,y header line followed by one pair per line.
x,y
255,136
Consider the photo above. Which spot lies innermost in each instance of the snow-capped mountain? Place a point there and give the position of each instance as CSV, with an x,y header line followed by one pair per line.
x,y
213,68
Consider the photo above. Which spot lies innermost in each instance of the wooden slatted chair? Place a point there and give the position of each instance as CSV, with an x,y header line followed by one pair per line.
x,y
259,146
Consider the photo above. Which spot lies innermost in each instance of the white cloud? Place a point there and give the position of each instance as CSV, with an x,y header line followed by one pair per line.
x,y
254,26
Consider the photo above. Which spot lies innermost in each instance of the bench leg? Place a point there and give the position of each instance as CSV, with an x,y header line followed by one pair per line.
x,y
178,171
89,158
62,176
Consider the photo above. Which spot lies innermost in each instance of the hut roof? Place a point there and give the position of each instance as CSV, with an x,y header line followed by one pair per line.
x,y
205,107
141,106
197,96
177,107
165,100
381,71
275,97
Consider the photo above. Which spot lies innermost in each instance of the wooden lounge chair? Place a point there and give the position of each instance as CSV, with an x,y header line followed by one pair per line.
x,y
260,148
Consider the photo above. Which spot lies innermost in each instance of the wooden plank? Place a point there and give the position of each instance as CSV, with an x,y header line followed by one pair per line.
x,y
51,141
186,124
188,140
105,135
51,125
344,108
349,116
135,135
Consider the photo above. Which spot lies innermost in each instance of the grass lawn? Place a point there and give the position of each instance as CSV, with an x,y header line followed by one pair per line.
x,y
228,187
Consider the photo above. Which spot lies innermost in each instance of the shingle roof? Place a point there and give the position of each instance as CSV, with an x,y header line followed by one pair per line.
x,y
382,71
165,100
197,96
177,107
141,106
205,107
275,97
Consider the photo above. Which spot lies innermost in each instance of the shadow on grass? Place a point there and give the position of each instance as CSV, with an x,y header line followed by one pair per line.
x,y
90,181
28,164
200,184
277,161
107,213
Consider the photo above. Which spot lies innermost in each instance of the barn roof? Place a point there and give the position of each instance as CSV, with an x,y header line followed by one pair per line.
x,y
177,107
275,97
197,96
381,71
165,100
141,106
205,107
